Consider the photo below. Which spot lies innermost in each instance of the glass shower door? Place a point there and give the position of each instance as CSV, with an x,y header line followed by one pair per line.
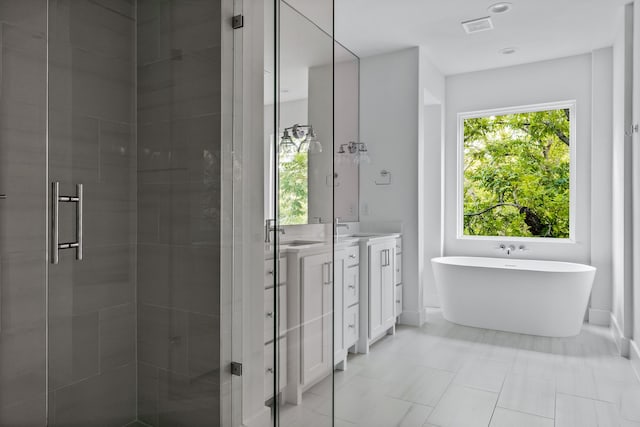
x,y
23,205
134,149
92,164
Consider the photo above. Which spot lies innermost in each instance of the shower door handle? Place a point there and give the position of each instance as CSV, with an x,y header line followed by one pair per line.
x,y
56,198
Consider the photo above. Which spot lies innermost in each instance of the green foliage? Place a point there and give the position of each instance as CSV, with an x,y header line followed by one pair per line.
x,y
294,192
516,175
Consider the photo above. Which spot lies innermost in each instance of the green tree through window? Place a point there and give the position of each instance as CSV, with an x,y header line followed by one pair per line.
x,y
294,190
516,174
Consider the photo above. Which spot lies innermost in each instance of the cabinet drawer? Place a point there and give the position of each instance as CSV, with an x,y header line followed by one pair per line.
x,y
268,272
351,285
398,272
269,372
353,256
351,326
269,295
398,300
399,245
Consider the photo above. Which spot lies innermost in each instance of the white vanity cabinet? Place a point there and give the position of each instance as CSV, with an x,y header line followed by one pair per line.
x,y
270,292
346,303
323,294
316,318
377,291
398,277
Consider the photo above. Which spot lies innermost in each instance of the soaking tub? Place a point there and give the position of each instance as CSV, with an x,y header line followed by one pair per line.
x,y
546,298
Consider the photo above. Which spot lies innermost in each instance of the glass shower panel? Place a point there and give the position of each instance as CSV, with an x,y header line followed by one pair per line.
x,y
23,205
92,189
304,177
179,169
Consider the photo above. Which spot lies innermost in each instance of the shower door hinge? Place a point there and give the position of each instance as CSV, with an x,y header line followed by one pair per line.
x,y
237,22
236,369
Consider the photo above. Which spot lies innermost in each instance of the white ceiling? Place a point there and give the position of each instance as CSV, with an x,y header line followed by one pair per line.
x,y
540,29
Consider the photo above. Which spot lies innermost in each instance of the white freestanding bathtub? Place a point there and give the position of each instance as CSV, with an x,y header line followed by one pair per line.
x,y
547,298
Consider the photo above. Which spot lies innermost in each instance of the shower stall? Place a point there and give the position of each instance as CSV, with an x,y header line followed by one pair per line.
x,y
110,171
131,211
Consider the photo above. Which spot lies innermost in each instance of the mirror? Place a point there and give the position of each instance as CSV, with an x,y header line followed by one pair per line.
x,y
304,147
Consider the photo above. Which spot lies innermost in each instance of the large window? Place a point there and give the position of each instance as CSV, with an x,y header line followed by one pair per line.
x,y
516,172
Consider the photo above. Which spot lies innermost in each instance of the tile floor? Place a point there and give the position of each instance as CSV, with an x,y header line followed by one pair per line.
x,y
449,375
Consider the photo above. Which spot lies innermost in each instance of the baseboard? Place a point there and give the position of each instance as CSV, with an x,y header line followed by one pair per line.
x,y
599,317
412,318
634,356
621,341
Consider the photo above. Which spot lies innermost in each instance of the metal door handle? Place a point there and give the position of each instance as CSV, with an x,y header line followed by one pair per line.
x,y
56,198
3,196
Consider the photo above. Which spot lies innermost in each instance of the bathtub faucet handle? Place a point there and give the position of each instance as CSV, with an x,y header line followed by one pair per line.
x,y
522,248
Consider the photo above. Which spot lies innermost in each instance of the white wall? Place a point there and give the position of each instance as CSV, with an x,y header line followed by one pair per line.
x,y
389,124
433,87
601,161
321,164
346,129
621,187
635,119
432,228
556,80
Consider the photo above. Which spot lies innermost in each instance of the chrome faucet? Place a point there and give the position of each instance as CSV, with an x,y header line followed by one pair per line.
x,y
339,224
269,227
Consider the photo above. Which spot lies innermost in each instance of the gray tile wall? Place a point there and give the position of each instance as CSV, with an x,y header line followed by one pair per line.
x,y
92,303
178,212
23,213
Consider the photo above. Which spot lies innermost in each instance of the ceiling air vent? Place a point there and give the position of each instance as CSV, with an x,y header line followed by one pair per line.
x,y
477,25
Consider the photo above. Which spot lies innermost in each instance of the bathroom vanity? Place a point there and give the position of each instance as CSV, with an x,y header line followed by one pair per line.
x,y
353,295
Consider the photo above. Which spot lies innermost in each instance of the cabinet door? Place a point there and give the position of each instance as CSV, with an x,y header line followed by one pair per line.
x,y
377,258
351,318
388,285
338,301
316,316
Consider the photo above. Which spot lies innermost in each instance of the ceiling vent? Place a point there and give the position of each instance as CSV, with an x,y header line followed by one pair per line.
x,y
477,25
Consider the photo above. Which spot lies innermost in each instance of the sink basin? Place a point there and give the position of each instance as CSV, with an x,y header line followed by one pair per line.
x,y
301,243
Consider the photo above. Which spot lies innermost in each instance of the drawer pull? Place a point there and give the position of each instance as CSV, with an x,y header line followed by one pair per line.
x,y
270,314
270,272
269,371
398,270
352,286
352,256
353,326
398,301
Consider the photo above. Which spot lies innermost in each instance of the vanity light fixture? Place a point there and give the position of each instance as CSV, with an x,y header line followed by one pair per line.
x,y
502,7
287,147
299,139
359,151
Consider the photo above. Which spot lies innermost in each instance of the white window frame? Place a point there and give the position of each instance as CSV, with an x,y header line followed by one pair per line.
x,y
571,105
